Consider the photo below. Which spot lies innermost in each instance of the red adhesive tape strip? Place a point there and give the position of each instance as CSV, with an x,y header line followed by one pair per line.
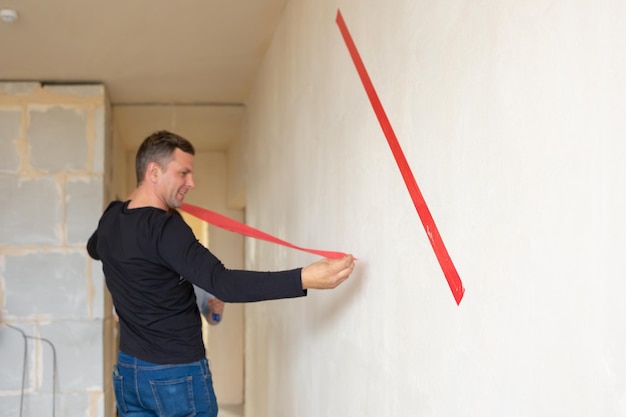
x,y
454,281
232,225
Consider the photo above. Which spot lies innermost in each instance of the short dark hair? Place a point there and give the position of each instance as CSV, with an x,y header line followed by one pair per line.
x,y
159,147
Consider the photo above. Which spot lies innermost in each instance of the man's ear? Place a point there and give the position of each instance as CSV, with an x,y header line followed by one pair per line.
x,y
153,171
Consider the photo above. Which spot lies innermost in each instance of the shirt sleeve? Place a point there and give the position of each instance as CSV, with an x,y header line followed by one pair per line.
x,y
180,249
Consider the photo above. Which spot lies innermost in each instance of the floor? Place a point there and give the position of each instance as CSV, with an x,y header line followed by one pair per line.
x,y
230,411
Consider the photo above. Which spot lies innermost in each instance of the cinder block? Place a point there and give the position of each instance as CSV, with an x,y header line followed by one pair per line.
x,y
35,404
84,207
9,133
98,151
12,358
51,284
99,285
31,211
18,87
78,405
78,346
11,405
58,139
82,90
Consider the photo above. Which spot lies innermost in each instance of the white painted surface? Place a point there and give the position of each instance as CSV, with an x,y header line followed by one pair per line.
x,y
511,115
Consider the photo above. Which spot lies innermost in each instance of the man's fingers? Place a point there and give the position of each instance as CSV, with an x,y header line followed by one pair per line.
x,y
345,266
327,273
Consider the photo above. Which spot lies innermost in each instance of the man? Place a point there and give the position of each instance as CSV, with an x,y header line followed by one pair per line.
x,y
145,252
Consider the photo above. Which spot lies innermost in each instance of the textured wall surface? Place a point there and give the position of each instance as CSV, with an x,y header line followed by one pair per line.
x,y
511,116
51,187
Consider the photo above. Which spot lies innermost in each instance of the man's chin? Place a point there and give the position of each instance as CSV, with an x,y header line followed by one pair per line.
x,y
176,203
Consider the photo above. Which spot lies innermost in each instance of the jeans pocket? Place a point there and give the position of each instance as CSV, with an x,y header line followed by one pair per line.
x,y
118,388
174,398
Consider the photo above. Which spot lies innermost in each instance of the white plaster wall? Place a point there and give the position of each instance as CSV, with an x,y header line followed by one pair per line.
x,y
511,116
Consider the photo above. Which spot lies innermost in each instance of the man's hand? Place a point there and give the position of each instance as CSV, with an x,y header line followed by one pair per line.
x,y
327,273
217,306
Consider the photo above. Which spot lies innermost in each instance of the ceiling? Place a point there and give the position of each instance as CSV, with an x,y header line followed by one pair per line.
x,y
183,65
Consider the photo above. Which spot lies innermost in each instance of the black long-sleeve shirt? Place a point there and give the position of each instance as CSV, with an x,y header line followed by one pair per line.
x,y
145,254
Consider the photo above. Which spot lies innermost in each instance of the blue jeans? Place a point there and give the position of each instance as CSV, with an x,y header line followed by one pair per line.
x,y
145,389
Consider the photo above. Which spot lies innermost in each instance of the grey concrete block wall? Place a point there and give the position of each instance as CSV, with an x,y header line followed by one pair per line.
x,y
94,293
83,208
52,142
10,120
13,346
19,89
98,151
46,284
57,138
67,405
78,347
31,211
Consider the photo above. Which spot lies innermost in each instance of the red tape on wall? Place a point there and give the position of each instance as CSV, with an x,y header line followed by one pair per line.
x,y
454,281
232,225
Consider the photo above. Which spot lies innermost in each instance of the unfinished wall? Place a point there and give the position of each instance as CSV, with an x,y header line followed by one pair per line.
x,y
52,147
511,116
